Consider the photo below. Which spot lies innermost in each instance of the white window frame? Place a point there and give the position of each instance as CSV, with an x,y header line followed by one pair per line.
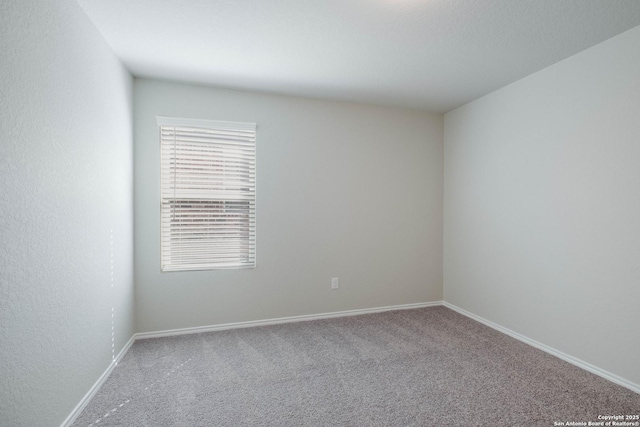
x,y
207,206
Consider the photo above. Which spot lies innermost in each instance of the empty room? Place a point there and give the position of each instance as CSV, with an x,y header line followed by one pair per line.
x,y
319,213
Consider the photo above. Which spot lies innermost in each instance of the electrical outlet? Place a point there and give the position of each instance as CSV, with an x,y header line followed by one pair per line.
x,y
335,283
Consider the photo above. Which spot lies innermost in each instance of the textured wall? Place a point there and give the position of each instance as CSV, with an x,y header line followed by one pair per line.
x,y
66,183
542,207
342,190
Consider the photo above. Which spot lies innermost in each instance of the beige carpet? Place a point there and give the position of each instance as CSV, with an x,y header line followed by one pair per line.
x,y
422,367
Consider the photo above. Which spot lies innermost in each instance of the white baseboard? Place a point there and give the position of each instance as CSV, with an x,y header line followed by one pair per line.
x,y
280,320
567,358
93,390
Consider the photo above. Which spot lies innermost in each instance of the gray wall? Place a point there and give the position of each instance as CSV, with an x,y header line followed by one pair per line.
x,y
343,190
542,206
66,182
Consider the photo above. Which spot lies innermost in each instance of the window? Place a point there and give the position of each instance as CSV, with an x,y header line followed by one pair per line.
x,y
208,194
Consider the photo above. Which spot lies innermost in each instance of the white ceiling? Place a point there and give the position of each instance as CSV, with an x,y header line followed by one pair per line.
x,y
428,54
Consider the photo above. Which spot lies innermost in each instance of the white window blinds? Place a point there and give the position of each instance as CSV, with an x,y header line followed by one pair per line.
x,y
208,194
